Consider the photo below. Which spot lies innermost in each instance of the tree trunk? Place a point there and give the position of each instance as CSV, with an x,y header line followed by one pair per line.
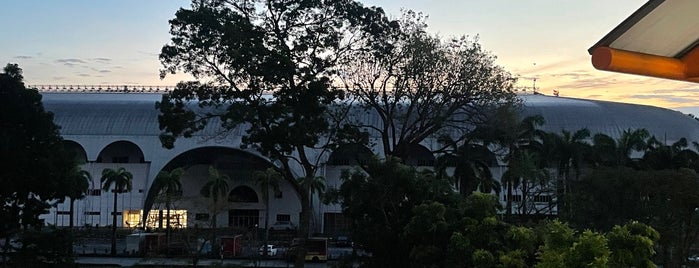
x,y
264,251
508,204
114,223
560,197
72,212
160,219
524,211
304,219
167,224
213,230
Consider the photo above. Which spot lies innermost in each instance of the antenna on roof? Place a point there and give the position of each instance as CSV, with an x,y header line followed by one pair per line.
x,y
534,86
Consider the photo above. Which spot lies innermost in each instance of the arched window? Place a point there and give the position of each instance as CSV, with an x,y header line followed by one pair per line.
x,y
419,155
121,152
75,150
350,155
243,194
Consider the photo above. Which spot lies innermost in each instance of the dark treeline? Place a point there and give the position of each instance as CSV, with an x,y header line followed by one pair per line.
x,y
634,195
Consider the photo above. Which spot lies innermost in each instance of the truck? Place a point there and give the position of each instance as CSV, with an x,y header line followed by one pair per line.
x,y
316,249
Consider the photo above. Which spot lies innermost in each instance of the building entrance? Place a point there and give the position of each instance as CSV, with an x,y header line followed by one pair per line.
x,y
243,218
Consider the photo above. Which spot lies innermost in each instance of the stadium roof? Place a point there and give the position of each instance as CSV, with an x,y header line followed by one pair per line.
x,y
660,39
134,114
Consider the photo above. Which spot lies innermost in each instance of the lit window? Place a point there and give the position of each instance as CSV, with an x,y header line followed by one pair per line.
x,y
132,218
156,219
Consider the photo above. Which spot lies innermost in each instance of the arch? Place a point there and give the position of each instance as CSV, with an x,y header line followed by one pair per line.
x,y
349,155
243,194
222,158
418,155
121,152
238,165
75,150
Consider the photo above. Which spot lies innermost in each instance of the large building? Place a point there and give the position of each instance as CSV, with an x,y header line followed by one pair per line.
x,y
110,130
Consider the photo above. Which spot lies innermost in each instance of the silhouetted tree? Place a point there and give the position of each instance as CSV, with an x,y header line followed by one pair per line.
x,y
245,50
170,187
419,86
215,189
119,181
610,153
80,182
267,179
35,169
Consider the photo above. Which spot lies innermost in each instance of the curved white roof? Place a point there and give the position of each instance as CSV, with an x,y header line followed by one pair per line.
x,y
120,114
134,114
610,118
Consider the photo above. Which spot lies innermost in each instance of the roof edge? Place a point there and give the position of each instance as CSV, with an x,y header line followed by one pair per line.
x,y
626,24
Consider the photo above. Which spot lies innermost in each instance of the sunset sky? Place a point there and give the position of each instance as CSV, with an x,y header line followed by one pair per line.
x,y
117,42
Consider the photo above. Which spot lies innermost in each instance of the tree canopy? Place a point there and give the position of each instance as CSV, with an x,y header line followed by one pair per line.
x,y
119,181
410,218
268,64
35,169
420,85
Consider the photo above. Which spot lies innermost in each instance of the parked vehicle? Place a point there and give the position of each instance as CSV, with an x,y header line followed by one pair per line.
x,y
282,225
316,250
343,242
271,250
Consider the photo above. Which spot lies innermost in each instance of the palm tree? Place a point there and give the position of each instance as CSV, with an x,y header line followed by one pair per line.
x,y
121,180
215,189
313,185
566,151
525,169
610,152
80,181
170,187
677,155
472,162
266,179
526,137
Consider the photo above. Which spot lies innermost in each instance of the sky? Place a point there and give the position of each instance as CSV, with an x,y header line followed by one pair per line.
x,y
543,42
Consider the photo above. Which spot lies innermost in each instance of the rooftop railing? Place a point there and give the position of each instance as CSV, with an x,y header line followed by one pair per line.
x,y
102,88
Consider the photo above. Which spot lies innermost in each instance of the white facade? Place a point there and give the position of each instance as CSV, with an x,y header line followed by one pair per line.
x,y
112,126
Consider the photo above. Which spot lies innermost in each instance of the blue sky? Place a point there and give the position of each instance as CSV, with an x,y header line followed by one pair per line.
x,y
117,42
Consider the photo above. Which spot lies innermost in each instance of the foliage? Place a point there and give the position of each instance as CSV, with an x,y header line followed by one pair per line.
x,y
48,248
526,163
79,183
168,182
405,217
609,152
471,160
419,85
630,245
267,64
673,156
267,179
35,170
566,151
170,187
119,181
399,214
215,188
664,199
